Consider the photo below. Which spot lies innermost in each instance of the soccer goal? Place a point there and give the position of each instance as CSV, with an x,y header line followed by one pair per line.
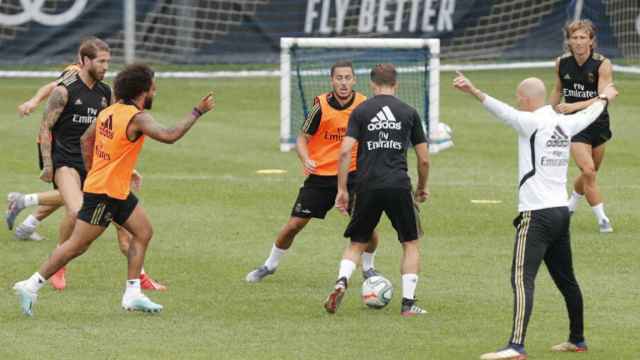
x,y
304,73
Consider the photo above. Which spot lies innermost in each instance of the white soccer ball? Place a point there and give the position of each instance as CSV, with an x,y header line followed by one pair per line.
x,y
377,292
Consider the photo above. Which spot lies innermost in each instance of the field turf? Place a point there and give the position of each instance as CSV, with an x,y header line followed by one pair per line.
x,y
215,219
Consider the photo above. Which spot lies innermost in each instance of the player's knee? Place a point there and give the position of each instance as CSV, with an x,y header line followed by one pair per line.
x,y
589,173
294,227
146,234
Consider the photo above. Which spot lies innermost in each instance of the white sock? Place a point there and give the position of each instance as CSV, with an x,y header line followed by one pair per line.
x,y
142,272
573,200
346,269
367,260
599,211
274,258
36,282
30,200
133,288
409,283
31,222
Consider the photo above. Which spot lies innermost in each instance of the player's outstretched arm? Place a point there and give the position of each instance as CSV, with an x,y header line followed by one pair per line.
x,y
87,142
43,92
521,121
143,123
55,106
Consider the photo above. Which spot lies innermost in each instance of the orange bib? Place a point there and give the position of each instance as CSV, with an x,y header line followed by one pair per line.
x,y
114,155
324,145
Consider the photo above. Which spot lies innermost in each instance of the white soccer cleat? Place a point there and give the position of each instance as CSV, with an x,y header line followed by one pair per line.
x,y
570,347
605,226
26,296
28,233
508,353
140,303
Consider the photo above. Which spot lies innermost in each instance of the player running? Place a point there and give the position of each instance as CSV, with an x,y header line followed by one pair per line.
x,y
384,128
49,201
318,145
582,74
115,139
72,108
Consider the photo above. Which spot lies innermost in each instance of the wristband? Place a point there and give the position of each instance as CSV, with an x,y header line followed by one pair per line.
x,y
196,113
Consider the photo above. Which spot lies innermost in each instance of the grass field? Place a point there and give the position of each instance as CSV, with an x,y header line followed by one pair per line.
x,y
215,219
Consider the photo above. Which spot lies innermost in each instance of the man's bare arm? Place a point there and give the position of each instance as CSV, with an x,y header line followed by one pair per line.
x,y
55,106
30,105
556,93
143,123
87,142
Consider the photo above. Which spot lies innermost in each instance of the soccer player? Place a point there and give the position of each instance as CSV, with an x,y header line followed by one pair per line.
x,y
542,226
114,141
582,74
73,106
317,146
383,127
48,202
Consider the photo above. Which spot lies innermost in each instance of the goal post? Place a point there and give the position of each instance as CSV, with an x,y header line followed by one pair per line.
x,y
304,74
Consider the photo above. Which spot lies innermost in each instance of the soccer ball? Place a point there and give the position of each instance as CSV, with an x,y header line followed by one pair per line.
x,y
377,292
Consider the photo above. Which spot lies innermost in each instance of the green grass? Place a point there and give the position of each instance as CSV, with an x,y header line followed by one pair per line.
x,y
215,220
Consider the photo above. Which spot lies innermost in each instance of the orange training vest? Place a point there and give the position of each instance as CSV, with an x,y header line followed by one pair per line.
x,y
324,145
114,155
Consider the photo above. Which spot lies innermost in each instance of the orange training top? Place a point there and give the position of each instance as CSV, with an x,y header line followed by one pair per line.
x,y
114,155
324,145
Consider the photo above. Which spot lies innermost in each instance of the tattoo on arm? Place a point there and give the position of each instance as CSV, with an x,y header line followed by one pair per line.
x,y
148,126
55,106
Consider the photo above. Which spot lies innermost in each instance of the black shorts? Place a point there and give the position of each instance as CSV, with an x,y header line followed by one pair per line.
x,y
317,196
82,171
399,206
100,209
595,134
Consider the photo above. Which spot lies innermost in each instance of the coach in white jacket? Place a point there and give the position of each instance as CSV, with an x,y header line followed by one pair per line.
x,y
542,226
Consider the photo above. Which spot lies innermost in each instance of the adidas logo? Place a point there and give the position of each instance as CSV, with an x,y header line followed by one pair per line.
x,y
384,119
567,77
558,138
78,102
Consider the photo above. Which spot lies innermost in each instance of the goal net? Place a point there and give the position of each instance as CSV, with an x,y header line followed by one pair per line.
x,y
305,73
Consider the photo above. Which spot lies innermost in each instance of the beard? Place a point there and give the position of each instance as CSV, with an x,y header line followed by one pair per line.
x,y
96,75
148,103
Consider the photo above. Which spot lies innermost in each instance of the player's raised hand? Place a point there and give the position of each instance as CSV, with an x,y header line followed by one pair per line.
x,y
342,202
26,108
462,83
206,104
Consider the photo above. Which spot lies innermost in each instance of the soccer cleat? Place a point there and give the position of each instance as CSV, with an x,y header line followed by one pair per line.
x,y
15,204
605,226
511,352
26,296
147,283
369,273
335,297
570,347
258,274
140,303
57,280
409,308
27,233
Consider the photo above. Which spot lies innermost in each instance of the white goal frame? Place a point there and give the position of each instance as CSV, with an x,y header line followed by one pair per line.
x,y
287,43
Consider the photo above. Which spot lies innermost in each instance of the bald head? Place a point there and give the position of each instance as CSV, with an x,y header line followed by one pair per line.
x,y
531,94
